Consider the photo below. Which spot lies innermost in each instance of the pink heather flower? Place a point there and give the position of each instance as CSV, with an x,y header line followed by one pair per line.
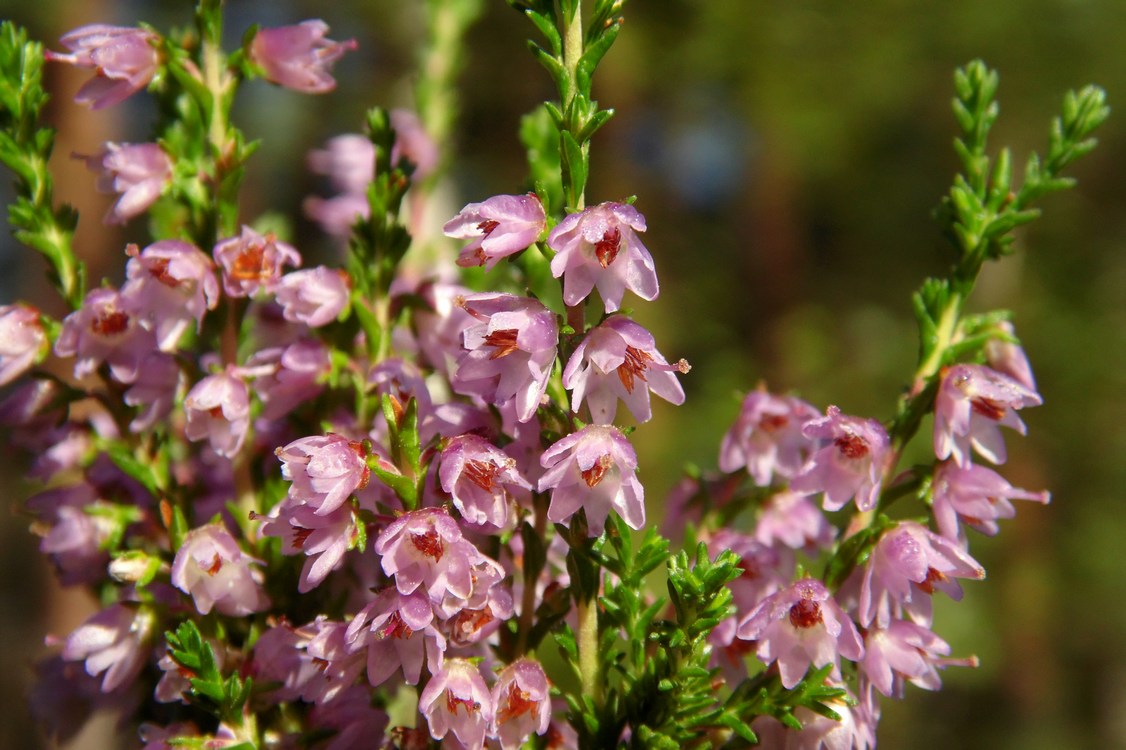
x,y
413,144
74,539
425,548
975,495
480,478
509,353
767,437
211,568
849,466
440,329
1009,358
253,262
347,160
594,469
456,700
765,570
218,408
114,641
800,626
299,57
138,171
281,659
154,390
496,228
906,566
906,652
522,702
170,284
600,248
817,732
314,296
22,340
286,377
473,624
104,329
325,470
322,538
340,659
124,60
972,404
792,520
618,359
398,632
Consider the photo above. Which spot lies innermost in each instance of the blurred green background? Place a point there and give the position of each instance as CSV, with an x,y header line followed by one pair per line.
x,y
787,155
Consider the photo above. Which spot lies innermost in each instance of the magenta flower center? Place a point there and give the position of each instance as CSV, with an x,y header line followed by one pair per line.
x,y
214,567
852,446
109,322
453,702
395,628
773,422
504,341
606,249
481,473
634,366
805,614
300,536
988,409
487,226
933,577
159,271
429,544
516,703
595,474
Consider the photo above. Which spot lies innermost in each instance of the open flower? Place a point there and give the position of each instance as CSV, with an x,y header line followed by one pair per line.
x,y
767,437
618,359
171,284
906,652
212,568
426,548
456,700
480,478
253,261
313,296
496,228
113,641
397,630
522,703
976,496
218,408
325,470
850,465
138,171
123,58
972,404
593,469
104,329
22,340
599,247
299,57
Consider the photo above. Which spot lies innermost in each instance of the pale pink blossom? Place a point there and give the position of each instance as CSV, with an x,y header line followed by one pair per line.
x,y
114,641
906,652
456,700
413,144
522,702
618,360
325,470
348,161
313,296
218,409
154,390
594,469
171,284
212,569
323,538
22,340
599,247
287,376
299,57
252,262
480,478
794,521
398,632
767,437
426,548
496,228
976,496
138,171
1008,358
104,329
352,718
124,60
849,465
972,404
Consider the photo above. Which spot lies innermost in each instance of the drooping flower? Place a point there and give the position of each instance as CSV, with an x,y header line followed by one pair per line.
x,y
104,329
212,569
767,437
171,283
124,60
972,404
593,469
522,703
253,262
313,296
72,538
792,520
426,548
480,478
496,228
975,495
599,247
218,408
138,171
322,537
299,57
508,354
154,390
801,626
288,376
22,340
113,641
397,631
849,465
1008,358
906,566
618,359
413,144
906,652
456,700
348,161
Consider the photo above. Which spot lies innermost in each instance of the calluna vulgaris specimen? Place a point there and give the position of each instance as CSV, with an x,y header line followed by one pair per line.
x,y
392,503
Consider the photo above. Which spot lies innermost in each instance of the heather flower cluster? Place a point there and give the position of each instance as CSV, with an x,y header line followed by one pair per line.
x,y
314,499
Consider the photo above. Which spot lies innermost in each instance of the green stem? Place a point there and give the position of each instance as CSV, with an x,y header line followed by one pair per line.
x,y
588,649
572,53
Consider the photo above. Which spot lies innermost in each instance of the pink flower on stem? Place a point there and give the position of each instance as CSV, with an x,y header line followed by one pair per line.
x,y
288,376
618,359
849,466
906,652
348,161
154,390
218,408
138,171
299,57
1008,358
170,284
975,495
767,437
794,521
426,548
480,478
413,144
496,228
594,469
313,296
322,538
104,329
456,700
22,340
124,60
212,569
325,470
599,247
114,641
801,626
398,632
509,353
972,404
522,703
253,262
907,565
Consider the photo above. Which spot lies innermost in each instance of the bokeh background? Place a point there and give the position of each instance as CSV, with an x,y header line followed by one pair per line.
x,y
787,155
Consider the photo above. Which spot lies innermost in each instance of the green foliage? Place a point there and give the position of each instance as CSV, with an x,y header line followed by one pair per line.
x,y
224,698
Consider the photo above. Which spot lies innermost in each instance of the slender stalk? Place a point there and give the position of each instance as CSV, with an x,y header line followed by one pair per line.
x,y
589,673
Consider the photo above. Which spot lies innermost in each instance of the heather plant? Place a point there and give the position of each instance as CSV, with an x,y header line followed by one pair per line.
x,y
394,502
